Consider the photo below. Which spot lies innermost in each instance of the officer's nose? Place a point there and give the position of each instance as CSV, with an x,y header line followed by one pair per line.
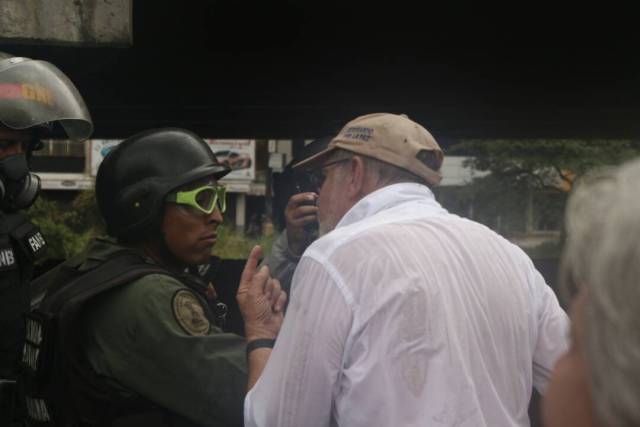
x,y
215,217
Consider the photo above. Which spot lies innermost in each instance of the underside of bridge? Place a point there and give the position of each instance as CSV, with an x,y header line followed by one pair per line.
x,y
294,69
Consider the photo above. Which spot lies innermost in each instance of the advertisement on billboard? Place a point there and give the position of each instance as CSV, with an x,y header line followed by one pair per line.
x,y
238,154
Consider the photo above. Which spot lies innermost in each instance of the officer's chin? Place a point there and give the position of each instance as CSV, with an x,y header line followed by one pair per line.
x,y
199,259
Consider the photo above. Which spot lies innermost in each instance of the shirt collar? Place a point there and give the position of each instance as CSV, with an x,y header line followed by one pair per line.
x,y
388,197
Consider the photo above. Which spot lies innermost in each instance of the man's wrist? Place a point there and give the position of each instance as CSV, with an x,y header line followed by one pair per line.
x,y
257,343
255,333
259,336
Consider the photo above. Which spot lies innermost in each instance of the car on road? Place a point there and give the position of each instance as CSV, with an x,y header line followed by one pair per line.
x,y
233,159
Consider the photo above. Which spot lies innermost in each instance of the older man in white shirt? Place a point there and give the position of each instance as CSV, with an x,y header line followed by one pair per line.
x,y
402,313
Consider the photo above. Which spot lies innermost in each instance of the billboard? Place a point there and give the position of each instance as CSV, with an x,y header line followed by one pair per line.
x,y
238,154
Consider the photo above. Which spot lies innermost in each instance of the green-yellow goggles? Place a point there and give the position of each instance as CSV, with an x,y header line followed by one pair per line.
x,y
203,199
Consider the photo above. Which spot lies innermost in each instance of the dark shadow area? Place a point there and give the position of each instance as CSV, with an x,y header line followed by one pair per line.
x,y
286,69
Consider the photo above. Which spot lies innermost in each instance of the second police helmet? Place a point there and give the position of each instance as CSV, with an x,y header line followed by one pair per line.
x,y
35,95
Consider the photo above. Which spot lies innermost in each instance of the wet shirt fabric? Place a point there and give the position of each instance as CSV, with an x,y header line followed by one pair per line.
x,y
406,315
150,338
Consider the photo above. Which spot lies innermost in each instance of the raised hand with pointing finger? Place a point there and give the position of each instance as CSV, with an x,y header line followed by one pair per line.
x,y
261,301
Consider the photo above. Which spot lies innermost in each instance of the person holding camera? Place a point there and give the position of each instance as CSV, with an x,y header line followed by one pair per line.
x,y
295,198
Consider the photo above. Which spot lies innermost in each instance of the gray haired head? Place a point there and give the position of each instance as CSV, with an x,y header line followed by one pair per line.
x,y
602,255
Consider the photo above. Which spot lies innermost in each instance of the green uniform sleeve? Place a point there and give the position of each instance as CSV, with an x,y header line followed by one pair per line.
x,y
137,338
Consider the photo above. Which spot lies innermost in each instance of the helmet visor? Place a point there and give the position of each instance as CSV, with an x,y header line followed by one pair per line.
x,y
33,93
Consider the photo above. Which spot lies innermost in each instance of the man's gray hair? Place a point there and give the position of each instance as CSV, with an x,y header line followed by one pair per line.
x,y
602,254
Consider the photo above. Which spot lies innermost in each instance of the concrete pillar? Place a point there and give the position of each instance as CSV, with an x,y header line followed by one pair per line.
x,y
75,22
241,210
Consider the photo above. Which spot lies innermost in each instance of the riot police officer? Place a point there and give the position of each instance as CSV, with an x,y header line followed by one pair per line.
x,y
35,97
137,337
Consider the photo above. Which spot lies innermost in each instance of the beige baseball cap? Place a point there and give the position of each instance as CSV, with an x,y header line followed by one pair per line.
x,y
391,138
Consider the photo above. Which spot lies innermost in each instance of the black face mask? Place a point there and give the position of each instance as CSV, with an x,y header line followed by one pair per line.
x,y
18,187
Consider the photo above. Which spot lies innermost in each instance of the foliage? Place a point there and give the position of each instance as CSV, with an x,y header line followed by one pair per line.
x,y
488,201
526,189
549,163
233,244
68,227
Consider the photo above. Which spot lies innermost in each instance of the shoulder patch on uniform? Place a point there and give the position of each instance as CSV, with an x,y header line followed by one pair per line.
x,y
189,313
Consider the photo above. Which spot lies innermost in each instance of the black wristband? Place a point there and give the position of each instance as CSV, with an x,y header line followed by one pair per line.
x,y
260,343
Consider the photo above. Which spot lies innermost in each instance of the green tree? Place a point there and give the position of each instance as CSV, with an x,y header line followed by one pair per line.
x,y
529,180
67,226
544,163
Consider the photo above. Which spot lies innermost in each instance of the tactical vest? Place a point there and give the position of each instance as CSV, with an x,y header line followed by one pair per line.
x,y
21,244
60,387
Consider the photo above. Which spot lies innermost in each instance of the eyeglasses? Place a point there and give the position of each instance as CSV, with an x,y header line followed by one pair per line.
x,y
203,199
317,176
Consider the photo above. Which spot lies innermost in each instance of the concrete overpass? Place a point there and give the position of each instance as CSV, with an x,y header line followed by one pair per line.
x,y
285,69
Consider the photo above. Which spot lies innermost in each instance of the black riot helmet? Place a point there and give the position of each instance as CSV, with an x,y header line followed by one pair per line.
x,y
35,96
135,178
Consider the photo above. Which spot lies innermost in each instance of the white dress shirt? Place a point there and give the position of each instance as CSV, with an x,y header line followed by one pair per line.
x,y
406,315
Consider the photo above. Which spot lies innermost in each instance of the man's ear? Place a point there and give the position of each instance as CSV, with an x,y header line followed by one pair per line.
x,y
356,179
